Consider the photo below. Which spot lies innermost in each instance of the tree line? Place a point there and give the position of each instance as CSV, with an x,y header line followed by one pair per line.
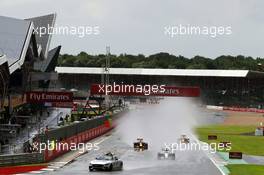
x,y
163,60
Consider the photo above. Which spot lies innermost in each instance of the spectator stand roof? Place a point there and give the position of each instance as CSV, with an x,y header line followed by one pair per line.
x,y
161,72
50,63
46,22
17,35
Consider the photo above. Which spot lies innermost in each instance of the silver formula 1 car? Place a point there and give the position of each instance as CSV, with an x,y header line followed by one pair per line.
x,y
107,162
166,153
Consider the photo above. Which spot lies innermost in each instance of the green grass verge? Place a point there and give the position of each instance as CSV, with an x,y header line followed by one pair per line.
x,y
246,169
251,145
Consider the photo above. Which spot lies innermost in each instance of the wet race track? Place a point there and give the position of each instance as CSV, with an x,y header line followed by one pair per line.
x,y
120,142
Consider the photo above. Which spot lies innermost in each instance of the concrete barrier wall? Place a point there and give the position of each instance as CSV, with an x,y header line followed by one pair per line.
x,y
73,129
21,159
76,133
82,137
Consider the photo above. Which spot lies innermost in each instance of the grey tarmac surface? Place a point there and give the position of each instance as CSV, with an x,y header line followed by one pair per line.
x,y
141,163
146,122
257,160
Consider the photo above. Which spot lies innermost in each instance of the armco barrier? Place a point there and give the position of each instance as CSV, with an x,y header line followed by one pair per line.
x,y
21,159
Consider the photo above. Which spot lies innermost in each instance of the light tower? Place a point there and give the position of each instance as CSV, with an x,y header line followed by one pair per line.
x,y
106,73
107,65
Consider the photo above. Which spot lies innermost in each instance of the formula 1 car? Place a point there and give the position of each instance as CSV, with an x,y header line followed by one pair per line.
x,y
166,153
184,139
140,145
106,162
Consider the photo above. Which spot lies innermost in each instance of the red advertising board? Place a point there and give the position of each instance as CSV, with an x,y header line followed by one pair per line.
x,y
42,97
180,91
144,90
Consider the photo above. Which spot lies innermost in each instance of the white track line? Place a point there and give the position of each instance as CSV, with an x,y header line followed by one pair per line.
x,y
102,140
198,141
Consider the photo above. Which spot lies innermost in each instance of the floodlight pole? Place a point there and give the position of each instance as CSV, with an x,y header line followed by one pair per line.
x,y
107,69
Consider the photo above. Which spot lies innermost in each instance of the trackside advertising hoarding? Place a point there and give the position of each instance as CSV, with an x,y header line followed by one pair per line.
x,y
144,90
59,104
51,97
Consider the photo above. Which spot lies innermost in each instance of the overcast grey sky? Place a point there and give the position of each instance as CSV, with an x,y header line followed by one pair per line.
x,y
137,26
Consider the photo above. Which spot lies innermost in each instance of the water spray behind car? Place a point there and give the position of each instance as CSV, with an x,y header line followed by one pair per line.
x,y
160,123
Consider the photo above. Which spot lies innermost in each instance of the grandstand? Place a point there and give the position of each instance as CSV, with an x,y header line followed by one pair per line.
x,y
219,87
26,61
